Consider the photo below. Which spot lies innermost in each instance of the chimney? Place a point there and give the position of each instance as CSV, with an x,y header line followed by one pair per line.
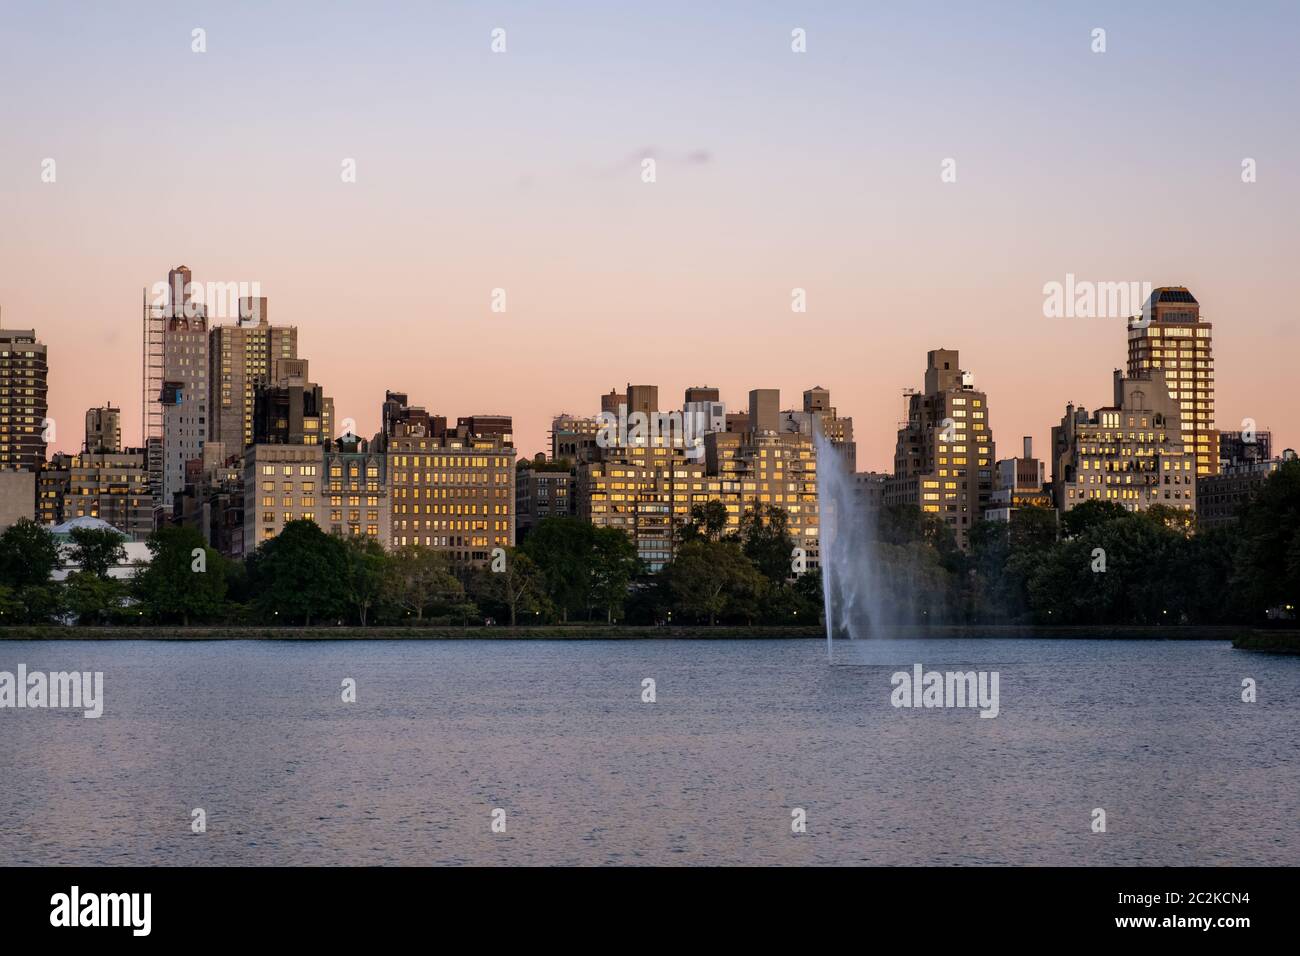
x,y
1029,447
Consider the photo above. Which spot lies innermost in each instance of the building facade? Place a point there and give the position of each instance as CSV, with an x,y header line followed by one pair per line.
x,y
1018,483
103,429
452,490
1220,498
357,485
52,483
113,487
241,359
543,491
1130,453
943,461
1173,343
24,400
819,416
1241,447
17,497
184,392
292,410
646,484
282,483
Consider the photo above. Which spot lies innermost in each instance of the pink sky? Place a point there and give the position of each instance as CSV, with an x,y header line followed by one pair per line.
x,y
775,170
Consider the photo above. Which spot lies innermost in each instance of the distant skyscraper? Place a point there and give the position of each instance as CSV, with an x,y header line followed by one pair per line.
x,y
610,401
943,462
184,392
642,398
764,409
819,415
241,358
1172,340
103,429
292,410
24,372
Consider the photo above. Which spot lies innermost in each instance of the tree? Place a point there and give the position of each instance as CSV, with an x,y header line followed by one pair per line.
x,y
1003,556
96,550
614,566
43,603
710,578
29,554
765,538
367,565
1268,570
564,551
12,609
94,599
299,574
417,578
176,584
518,587
708,521
1117,571
1090,514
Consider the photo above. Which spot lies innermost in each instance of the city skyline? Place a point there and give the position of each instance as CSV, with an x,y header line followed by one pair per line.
x,y
132,432
682,281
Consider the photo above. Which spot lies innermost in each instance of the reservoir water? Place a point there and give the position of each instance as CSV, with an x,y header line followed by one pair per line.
x,y
741,735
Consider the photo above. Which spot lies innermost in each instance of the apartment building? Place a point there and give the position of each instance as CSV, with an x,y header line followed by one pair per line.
x,y
24,405
943,461
1173,343
453,490
1131,453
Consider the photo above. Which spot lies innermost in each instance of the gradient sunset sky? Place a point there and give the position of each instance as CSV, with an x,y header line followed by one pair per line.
x,y
776,170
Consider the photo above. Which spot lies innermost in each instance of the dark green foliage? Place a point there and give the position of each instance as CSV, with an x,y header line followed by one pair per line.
x,y
95,550
299,576
29,554
184,580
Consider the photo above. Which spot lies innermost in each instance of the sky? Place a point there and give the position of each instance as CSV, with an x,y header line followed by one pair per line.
x,y
775,170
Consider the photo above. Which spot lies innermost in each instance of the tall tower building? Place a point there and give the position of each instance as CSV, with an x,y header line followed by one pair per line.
x,y
184,392
943,462
241,359
1172,339
24,371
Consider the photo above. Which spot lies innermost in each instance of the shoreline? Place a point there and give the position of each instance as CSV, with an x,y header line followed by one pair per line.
x,y
1242,637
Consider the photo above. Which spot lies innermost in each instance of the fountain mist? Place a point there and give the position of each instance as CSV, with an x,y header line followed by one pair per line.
x,y
856,577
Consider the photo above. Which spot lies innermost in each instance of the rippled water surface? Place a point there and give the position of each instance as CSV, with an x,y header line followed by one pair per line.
x,y
742,732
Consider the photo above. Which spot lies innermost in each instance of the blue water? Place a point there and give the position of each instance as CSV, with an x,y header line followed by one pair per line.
x,y
742,732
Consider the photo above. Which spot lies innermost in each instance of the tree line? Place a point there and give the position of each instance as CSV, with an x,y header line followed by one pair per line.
x,y
565,571
1098,564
